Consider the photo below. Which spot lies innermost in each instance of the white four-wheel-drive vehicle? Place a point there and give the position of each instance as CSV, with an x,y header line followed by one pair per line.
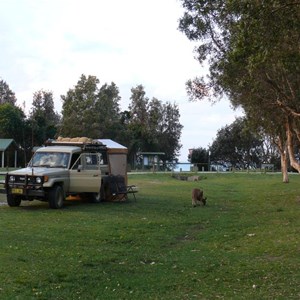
x,y
95,169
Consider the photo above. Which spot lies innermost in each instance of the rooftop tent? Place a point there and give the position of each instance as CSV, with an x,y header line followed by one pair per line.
x,y
117,157
8,146
113,146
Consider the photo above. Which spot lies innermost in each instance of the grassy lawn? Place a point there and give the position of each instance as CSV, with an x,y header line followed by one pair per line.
x,y
243,245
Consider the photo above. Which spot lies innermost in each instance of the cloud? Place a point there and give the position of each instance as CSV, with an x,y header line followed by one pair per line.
x,y
48,44
201,121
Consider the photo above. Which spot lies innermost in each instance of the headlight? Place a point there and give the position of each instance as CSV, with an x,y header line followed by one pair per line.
x,y
12,178
38,180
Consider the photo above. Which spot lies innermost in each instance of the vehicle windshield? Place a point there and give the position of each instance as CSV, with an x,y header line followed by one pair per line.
x,y
50,160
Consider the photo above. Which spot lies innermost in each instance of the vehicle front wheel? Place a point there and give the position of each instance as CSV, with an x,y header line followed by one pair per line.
x,y
13,201
56,197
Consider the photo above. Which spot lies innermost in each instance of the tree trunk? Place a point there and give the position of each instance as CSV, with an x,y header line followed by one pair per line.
x,y
284,166
294,163
283,158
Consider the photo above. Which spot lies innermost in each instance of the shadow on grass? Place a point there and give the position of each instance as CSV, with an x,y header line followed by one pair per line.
x,y
68,205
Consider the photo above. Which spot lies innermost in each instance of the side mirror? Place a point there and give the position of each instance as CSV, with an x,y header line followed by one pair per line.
x,y
79,168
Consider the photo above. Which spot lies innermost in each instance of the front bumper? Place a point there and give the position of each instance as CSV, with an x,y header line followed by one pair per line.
x,y
24,186
25,191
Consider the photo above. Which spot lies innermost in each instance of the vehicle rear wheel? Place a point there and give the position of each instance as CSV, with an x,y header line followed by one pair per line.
x,y
13,201
95,197
56,197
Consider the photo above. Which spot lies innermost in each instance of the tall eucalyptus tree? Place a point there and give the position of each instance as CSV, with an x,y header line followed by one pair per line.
x,y
253,48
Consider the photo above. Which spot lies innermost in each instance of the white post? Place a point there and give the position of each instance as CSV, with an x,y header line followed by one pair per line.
x,y
16,155
2,159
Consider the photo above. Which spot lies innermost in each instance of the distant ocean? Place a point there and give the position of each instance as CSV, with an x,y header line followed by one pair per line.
x,y
183,167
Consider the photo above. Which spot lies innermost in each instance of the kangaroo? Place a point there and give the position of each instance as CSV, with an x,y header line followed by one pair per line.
x,y
197,197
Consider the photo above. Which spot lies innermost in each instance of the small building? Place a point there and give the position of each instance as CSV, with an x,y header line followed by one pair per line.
x,y
8,152
150,159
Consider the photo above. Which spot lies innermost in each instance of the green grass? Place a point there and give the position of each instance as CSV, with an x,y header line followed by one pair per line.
x,y
243,245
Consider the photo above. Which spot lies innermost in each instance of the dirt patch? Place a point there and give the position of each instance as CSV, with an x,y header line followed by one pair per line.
x,y
190,235
187,177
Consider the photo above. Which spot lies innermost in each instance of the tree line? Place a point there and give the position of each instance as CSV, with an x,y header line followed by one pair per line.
x,y
237,146
93,110
253,50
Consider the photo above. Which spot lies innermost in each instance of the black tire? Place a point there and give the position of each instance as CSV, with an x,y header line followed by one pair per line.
x,y
95,197
56,197
13,201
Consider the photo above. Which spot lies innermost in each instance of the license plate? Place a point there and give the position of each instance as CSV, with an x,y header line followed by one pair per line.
x,y
17,191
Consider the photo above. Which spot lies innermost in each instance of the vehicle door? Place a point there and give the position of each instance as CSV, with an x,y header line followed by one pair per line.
x,y
85,174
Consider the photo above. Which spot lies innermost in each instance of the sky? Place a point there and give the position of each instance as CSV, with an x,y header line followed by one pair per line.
x,y
48,44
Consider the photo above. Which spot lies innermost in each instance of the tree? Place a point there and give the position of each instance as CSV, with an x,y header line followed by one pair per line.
x,y
12,122
201,157
146,126
254,56
170,132
235,143
79,109
14,125
138,122
6,94
154,126
108,109
91,111
155,123
273,135
43,118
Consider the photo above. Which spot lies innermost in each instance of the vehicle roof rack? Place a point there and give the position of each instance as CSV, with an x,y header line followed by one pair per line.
x,y
87,144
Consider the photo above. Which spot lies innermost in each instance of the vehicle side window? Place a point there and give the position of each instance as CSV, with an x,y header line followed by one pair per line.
x,y
75,162
103,160
92,161
87,161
